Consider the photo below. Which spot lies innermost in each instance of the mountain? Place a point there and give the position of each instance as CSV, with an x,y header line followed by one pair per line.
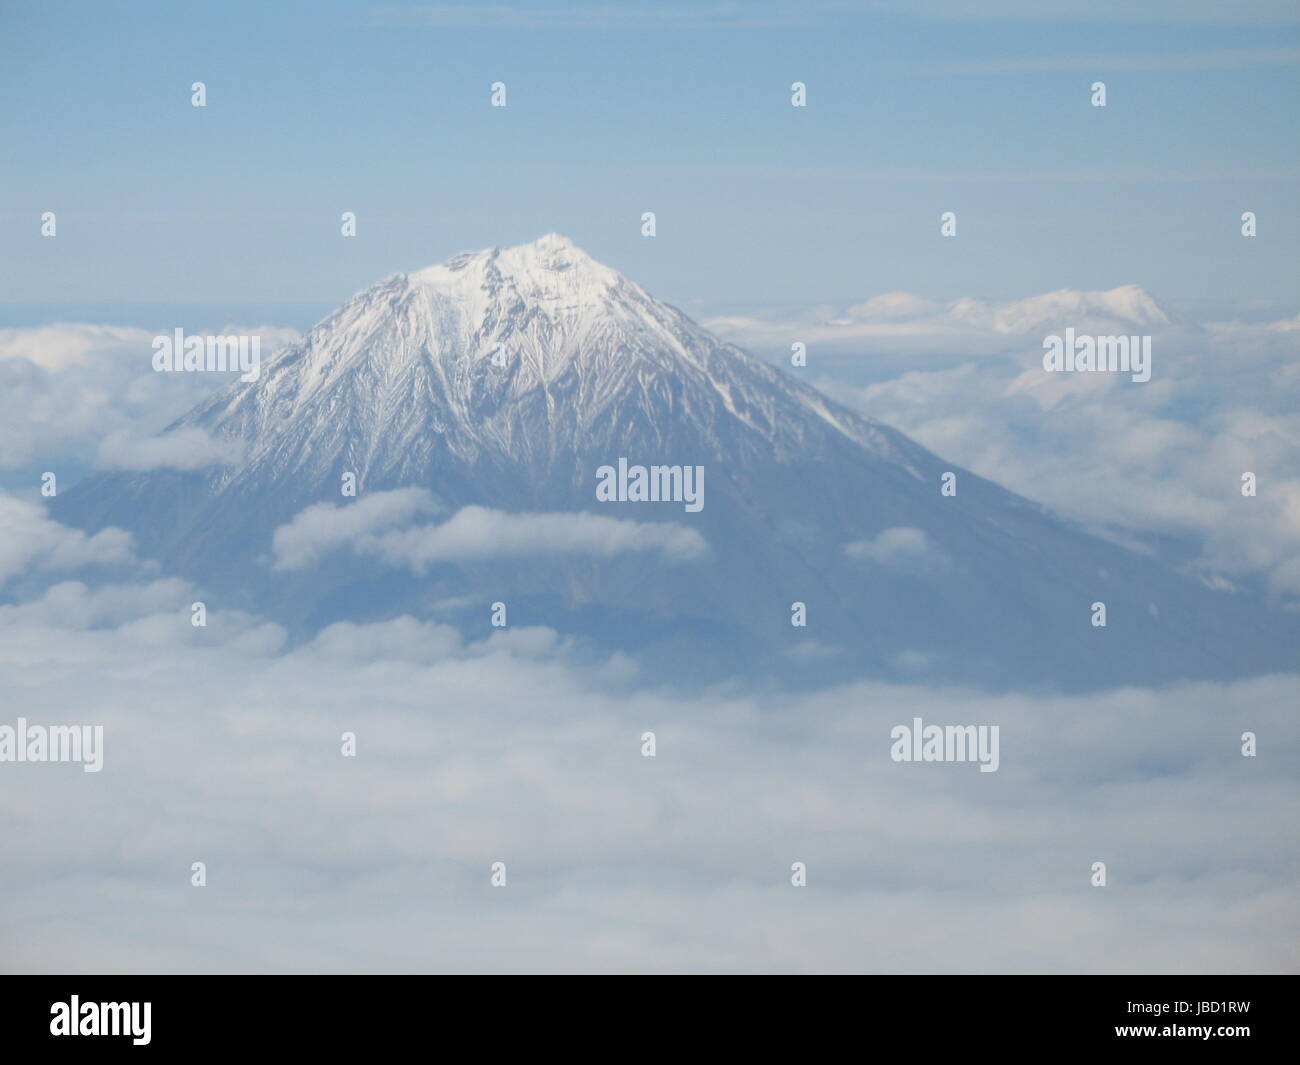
x,y
1117,311
506,379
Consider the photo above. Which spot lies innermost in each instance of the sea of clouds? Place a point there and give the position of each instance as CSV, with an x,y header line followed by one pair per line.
x,y
523,746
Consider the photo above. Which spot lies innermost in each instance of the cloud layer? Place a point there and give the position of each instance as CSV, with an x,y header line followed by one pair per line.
x,y
224,748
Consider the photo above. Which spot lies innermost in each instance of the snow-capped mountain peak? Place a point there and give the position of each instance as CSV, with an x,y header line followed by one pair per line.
x,y
521,352
550,268
1126,307
535,307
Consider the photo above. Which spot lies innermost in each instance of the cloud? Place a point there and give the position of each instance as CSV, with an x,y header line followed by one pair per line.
x,y
69,391
1165,457
769,14
623,15
30,540
1257,12
59,346
965,379
189,448
891,306
474,533
75,605
812,651
992,327
479,533
1164,63
326,527
902,549
1105,174
470,752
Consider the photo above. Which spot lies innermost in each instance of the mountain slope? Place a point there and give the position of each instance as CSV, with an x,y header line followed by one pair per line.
x,y
507,378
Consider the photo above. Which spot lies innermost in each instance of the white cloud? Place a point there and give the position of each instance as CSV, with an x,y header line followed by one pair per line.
x,y
479,533
326,527
370,527
75,605
469,753
66,389
61,345
188,448
903,549
30,540
891,305
402,639
1162,457
221,744
994,328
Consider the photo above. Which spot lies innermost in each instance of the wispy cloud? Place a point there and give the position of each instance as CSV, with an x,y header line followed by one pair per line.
x,y
600,16
1178,62
184,449
1242,12
903,549
776,14
380,526
1077,175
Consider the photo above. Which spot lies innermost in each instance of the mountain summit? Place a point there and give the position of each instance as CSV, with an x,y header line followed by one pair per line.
x,y
503,385
523,355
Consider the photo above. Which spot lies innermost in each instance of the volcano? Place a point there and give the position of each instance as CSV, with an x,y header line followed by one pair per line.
x,y
484,394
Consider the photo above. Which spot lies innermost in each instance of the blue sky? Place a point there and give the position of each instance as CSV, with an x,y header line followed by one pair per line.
x,y
614,109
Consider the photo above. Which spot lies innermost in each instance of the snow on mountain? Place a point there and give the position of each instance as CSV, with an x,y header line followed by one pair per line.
x,y
1124,308
504,380
571,336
